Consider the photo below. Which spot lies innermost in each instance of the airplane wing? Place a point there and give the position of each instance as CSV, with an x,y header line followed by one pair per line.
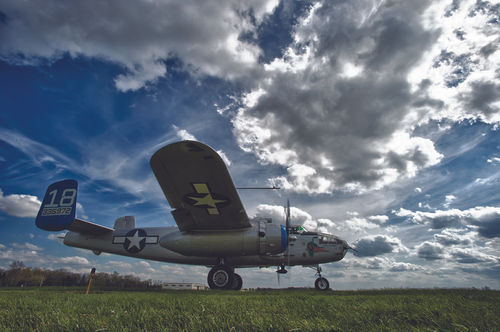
x,y
198,186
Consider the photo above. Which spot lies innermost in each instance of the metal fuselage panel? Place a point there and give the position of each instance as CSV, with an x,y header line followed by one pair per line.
x,y
144,243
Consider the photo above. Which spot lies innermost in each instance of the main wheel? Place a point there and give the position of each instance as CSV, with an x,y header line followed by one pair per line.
x,y
237,282
220,277
321,284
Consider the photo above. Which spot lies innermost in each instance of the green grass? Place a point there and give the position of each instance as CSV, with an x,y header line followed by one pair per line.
x,y
69,309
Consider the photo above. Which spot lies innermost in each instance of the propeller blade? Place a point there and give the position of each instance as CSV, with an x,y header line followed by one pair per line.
x,y
348,247
353,249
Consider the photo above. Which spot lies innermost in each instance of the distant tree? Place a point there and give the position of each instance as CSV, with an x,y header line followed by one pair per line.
x,y
20,275
17,265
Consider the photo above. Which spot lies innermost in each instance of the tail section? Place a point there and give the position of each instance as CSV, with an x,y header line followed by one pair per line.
x,y
58,211
58,208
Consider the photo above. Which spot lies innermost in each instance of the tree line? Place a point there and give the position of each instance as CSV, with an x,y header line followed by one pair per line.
x,y
18,275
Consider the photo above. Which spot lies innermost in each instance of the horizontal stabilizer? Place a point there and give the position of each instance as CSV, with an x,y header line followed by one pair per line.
x,y
87,227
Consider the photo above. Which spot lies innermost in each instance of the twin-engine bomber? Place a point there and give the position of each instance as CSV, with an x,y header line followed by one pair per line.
x,y
213,227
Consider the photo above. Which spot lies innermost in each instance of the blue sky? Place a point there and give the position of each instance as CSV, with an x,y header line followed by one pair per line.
x,y
379,120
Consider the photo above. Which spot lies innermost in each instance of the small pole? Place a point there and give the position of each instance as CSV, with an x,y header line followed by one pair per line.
x,y
92,274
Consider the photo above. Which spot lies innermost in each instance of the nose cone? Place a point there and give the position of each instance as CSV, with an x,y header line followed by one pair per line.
x,y
346,248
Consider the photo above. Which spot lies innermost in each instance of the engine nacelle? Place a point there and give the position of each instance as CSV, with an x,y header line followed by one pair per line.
x,y
263,238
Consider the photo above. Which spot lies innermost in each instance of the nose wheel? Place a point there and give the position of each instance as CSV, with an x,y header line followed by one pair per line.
x,y
321,283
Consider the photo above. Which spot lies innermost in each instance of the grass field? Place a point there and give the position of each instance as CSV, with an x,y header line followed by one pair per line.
x,y
68,309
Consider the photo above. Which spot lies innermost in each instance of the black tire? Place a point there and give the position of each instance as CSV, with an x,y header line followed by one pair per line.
x,y
220,277
237,282
321,284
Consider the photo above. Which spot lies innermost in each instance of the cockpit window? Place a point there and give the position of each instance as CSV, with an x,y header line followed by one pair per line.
x,y
324,239
298,230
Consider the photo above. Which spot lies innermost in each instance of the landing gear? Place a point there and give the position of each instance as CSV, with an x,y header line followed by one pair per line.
x,y
237,282
321,283
281,269
221,277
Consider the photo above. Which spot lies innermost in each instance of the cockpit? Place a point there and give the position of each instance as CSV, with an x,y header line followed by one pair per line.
x,y
328,239
301,230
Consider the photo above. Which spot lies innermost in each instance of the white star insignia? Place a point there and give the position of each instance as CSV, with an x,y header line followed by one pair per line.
x,y
135,240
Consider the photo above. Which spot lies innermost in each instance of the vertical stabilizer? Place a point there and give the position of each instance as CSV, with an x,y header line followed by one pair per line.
x,y
58,208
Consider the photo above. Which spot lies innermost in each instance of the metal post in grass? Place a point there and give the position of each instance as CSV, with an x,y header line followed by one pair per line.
x,y
92,274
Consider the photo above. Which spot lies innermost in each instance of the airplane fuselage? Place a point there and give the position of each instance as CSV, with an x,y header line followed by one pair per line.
x,y
307,248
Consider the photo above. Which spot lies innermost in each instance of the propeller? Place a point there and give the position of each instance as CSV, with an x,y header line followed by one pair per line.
x,y
348,247
281,268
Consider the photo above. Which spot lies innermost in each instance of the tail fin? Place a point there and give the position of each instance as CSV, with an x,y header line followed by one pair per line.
x,y
58,208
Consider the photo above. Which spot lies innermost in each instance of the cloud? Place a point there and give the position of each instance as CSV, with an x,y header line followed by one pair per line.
x,y
40,154
80,211
404,267
375,245
73,260
205,36
450,237
22,206
472,256
145,266
485,218
430,251
183,134
337,110
119,265
53,236
448,200
277,213
26,245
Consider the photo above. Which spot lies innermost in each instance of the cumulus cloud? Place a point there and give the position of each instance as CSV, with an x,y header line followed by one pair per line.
x,y
119,265
336,110
430,251
451,237
472,256
19,205
404,267
485,218
448,200
339,109
277,213
460,68
183,134
73,260
145,266
205,36
375,245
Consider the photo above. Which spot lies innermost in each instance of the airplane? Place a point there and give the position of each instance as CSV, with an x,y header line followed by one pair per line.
x,y
213,228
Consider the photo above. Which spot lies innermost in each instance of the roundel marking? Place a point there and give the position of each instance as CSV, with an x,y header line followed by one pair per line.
x,y
135,240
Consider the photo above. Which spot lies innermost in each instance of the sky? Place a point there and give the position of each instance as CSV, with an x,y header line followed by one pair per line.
x,y
378,119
